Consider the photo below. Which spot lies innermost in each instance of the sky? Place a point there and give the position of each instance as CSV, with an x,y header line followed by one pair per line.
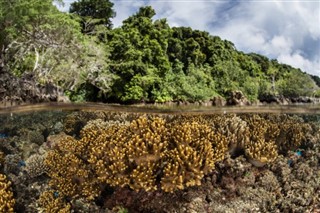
x,y
286,30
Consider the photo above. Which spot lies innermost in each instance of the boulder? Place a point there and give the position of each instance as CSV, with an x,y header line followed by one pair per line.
x,y
237,98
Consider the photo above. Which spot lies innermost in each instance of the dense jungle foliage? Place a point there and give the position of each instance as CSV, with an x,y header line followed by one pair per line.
x,y
144,60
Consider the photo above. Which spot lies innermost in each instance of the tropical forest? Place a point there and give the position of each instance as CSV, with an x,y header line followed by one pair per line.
x,y
80,54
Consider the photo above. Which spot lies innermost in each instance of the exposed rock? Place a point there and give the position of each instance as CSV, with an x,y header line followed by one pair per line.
x,y
218,101
15,91
237,98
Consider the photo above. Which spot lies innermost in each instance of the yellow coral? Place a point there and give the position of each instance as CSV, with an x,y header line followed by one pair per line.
x,y
51,202
196,149
145,149
261,152
6,196
293,132
107,154
262,148
70,174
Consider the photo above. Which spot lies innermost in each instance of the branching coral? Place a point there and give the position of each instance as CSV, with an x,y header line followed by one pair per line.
x,y
70,173
261,128
51,202
6,196
35,166
261,152
155,152
145,149
130,155
107,154
293,132
261,148
234,129
196,149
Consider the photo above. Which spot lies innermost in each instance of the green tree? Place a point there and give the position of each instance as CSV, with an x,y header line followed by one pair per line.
x,y
93,13
138,55
37,38
297,84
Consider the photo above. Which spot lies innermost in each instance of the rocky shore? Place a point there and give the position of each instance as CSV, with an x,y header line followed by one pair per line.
x,y
25,90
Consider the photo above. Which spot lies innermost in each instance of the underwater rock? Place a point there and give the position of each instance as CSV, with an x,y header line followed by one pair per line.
x,y
13,164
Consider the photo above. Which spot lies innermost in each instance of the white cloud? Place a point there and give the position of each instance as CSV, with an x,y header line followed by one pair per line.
x,y
297,60
124,9
286,31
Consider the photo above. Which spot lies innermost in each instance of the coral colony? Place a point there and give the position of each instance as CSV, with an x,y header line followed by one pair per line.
x,y
153,153
150,153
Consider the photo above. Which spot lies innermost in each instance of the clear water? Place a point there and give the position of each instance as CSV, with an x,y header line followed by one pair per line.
x,y
112,158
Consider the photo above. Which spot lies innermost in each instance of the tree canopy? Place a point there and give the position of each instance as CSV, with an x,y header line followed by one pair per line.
x,y
144,60
93,13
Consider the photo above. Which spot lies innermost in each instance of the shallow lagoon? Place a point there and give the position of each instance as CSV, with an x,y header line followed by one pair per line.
x,y
111,158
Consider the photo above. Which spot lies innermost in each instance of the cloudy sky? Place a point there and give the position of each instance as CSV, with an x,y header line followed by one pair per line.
x,y
286,30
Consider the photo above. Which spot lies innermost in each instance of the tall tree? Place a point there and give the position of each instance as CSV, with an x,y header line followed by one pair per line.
x,y
93,13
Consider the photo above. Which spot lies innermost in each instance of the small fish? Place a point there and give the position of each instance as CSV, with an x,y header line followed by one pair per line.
x,y
3,135
298,153
56,194
21,163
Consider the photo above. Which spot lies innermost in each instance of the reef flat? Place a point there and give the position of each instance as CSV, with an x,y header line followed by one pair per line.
x,y
109,161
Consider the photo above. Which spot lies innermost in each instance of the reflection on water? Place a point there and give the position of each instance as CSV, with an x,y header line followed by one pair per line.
x,y
298,109
112,158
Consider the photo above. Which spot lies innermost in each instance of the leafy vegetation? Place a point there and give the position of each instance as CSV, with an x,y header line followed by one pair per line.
x,y
144,60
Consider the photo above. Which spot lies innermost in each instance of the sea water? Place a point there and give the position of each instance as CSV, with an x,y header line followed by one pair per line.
x,y
112,158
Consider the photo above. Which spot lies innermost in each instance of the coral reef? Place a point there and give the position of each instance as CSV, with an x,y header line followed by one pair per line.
x,y
71,175
51,202
197,148
6,196
136,155
261,152
35,166
112,161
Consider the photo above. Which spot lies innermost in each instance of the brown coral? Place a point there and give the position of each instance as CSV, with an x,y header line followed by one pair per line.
x,y
107,154
51,202
196,149
130,155
261,152
6,196
234,129
145,149
293,132
148,153
71,173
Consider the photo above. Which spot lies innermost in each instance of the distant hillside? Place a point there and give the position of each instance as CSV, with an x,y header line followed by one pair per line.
x,y
144,60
